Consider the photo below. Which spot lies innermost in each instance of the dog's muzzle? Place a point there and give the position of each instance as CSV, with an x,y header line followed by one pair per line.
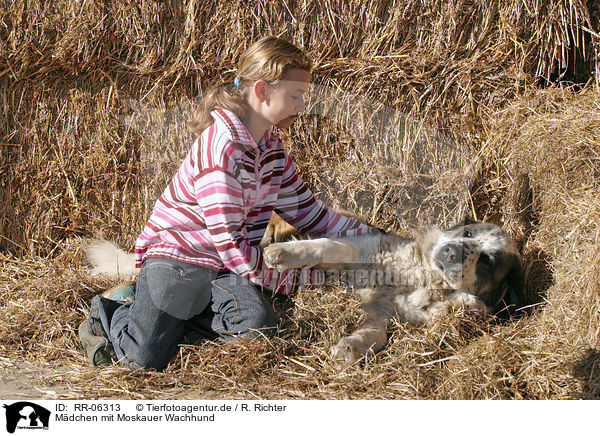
x,y
452,257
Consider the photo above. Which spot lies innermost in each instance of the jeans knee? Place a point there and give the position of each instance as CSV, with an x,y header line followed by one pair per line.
x,y
147,359
240,309
269,320
263,322
149,352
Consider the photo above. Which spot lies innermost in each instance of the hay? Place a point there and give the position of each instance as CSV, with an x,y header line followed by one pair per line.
x,y
422,112
68,73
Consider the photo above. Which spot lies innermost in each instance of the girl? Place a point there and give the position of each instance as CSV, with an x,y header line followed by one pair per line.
x,y
201,266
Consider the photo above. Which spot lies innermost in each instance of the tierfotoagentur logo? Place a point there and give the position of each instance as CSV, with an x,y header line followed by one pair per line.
x,y
395,160
26,415
395,170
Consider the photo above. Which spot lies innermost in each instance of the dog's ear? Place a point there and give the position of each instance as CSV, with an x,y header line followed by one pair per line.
x,y
468,221
508,297
462,223
426,238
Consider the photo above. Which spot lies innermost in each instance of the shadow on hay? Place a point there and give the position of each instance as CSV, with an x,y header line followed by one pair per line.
x,y
538,278
517,208
587,371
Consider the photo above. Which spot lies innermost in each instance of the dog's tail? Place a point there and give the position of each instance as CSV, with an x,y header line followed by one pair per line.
x,y
109,259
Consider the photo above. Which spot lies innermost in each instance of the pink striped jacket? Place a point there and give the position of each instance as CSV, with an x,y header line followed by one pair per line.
x,y
216,209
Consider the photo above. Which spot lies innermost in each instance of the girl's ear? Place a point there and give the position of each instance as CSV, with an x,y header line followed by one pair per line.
x,y
260,90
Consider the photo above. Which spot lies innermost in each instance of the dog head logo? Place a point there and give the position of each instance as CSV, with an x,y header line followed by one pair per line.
x,y
26,415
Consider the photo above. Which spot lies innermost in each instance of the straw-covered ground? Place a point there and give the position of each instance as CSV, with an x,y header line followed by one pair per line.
x,y
422,112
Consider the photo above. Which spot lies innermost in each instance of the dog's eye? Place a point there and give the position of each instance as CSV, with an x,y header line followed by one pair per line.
x,y
467,233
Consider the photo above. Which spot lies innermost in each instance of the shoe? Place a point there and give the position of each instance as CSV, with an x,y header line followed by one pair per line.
x,y
98,348
122,292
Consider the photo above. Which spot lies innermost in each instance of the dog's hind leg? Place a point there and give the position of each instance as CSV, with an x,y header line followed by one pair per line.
x,y
371,336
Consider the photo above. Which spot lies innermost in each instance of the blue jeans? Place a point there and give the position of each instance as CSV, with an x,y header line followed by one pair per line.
x,y
172,296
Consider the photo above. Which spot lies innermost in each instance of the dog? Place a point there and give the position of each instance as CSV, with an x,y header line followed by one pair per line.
x,y
278,230
473,265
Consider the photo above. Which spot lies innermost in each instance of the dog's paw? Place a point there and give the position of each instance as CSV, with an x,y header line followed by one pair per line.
x,y
288,255
276,256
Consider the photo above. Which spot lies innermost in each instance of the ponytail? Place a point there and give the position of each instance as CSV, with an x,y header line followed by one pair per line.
x,y
267,59
223,96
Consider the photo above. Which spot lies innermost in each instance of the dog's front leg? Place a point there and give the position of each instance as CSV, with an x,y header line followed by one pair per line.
x,y
310,253
421,306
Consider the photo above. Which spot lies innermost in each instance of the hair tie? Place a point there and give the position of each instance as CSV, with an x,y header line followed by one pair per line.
x,y
236,82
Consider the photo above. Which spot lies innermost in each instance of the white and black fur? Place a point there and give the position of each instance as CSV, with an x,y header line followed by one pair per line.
x,y
472,265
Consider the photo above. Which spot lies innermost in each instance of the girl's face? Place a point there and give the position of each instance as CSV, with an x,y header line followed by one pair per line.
x,y
285,100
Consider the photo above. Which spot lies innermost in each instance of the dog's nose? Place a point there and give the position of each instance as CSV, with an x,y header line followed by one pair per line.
x,y
451,253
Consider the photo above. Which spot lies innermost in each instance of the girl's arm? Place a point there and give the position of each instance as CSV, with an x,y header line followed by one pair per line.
x,y
220,194
297,205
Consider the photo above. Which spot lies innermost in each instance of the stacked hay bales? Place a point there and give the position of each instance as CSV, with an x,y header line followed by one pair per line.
x,y
68,71
424,112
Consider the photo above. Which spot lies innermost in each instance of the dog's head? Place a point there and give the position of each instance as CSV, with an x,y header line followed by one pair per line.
x,y
478,258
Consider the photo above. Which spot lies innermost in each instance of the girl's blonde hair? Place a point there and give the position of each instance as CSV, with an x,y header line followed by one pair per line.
x,y
267,59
